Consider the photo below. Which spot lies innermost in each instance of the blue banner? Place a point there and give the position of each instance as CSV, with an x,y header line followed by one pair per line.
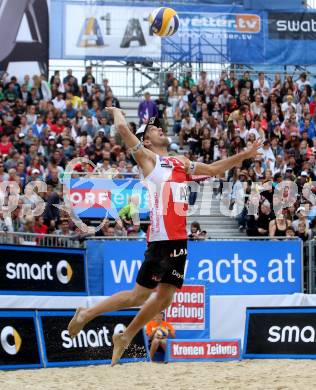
x,y
228,267
99,198
244,36
207,33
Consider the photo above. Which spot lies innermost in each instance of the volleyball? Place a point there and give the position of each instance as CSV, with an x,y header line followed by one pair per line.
x,y
164,22
162,332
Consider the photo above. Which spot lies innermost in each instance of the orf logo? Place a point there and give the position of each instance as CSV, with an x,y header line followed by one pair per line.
x,y
10,340
248,23
64,272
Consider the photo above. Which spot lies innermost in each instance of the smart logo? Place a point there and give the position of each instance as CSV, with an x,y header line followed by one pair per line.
x,y
64,272
34,271
10,340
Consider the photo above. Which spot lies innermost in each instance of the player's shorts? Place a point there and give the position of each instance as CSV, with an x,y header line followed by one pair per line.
x,y
164,263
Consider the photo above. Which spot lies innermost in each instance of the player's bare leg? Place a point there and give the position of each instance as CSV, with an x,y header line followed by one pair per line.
x,y
121,300
153,306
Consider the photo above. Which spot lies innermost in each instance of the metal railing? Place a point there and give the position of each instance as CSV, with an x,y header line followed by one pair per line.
x,y
35,239
132,80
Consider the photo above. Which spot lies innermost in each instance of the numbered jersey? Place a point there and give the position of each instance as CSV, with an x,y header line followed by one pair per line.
x,y
168,199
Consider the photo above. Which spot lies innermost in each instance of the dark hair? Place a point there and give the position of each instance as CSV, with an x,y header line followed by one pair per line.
x,y
196,225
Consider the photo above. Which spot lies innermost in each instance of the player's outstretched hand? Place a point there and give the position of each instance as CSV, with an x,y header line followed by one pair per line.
x,y
252,151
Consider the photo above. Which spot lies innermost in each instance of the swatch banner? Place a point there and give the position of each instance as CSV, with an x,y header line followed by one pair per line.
x,y
207,33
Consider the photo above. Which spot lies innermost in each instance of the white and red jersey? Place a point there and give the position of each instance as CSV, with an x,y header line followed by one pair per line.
x,y
168,199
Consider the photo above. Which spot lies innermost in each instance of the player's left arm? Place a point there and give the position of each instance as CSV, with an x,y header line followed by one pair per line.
x,y
220,167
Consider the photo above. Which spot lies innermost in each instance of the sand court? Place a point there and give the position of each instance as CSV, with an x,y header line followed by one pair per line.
x,y
247,374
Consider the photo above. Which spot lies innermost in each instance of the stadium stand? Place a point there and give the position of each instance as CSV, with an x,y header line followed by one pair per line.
x,y
45,124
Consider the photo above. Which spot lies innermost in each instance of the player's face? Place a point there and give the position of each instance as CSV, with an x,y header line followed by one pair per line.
x,y
157,137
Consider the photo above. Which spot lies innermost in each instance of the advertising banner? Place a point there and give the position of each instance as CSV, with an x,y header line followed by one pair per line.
x,y
93,345
19,342
38,271
104,30
97,197
228,312
280,333
202,350
228,268
187,311
207,33
25,24
243,36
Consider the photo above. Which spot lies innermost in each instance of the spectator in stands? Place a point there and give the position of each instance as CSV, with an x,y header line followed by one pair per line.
x,y
302,232
162,112
39,225
258,225
64,228
187,126
88,75
301,219
302,82
158,330
136,231
104,231
147,109
279,225
119,230
196,233
130,213
261,83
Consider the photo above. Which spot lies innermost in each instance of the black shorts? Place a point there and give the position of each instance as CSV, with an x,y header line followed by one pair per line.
x,y
164,263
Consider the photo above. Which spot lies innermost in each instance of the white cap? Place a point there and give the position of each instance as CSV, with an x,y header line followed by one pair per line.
x,y
35,170
51,137
59,146
301,208
21,135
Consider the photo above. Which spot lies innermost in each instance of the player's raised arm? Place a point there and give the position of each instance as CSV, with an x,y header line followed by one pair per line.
x,y
220,167
144,157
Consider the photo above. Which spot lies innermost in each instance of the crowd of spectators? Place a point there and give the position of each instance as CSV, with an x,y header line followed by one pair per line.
x,y
215,119
45,123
